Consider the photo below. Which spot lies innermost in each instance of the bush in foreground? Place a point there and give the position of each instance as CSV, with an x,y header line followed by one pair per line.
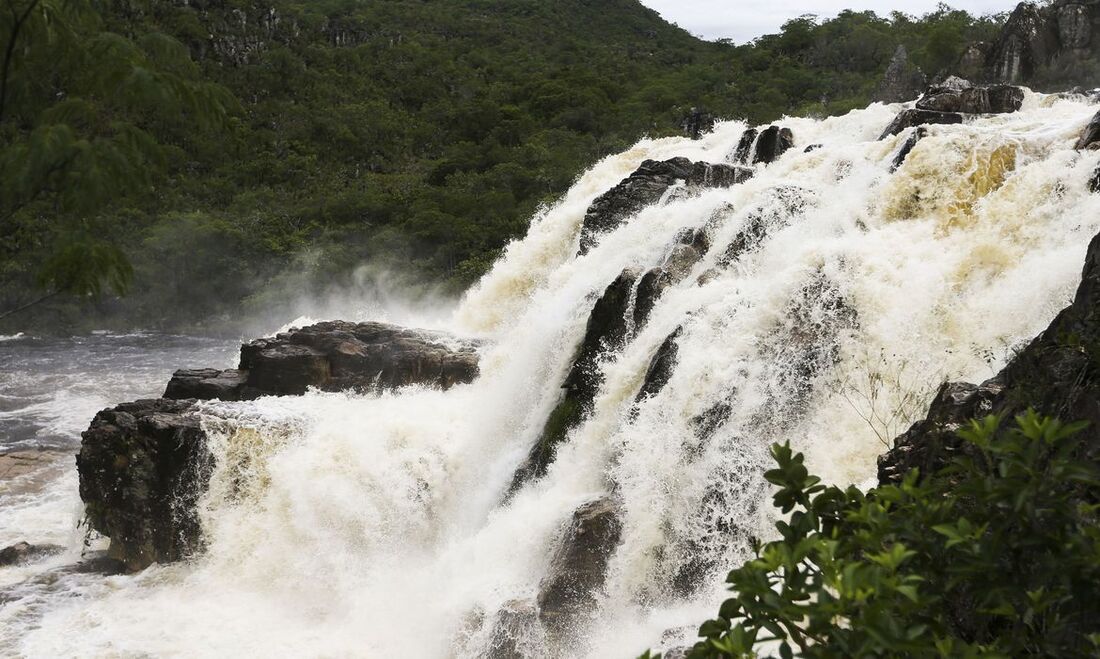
x,y
997,555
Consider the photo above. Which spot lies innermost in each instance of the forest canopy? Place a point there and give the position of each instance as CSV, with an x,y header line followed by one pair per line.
x,y
218,150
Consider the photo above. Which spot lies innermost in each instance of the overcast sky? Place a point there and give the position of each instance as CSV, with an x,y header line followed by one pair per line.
x,y
744,20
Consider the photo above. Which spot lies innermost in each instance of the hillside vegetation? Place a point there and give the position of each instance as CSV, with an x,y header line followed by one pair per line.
x,y
403,136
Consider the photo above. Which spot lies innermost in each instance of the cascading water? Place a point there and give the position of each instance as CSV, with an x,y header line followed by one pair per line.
x,y
353,525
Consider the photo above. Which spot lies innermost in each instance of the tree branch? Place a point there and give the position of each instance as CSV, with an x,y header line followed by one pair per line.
x,y
12,312
9,52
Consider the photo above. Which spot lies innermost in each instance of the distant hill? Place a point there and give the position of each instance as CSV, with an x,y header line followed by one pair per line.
x,y
419,137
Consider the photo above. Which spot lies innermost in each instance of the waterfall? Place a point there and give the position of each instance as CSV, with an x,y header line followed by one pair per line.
x,y
835,296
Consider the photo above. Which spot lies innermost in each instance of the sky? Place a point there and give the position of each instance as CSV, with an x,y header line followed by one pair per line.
x,y
744,20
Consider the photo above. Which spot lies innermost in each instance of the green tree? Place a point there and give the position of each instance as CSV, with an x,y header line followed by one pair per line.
x,y
81,110
997,555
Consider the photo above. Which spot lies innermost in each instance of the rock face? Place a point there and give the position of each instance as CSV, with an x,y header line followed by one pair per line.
x,y
973,100
579,566
646,186
908,147
23,552
911,118
1094,182
606,331
902,82
335,356
1090,136
143,466
1041,45
1055,374
772,143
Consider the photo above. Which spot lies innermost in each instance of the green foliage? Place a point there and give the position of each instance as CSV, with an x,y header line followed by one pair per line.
x,y
407,135
998,555
81,109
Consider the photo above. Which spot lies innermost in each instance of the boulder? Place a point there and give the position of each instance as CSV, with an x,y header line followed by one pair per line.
x,y
579,566
916,117
991,99
513,627
902,81
605,332
1090,135
24,552
142,468
645,187
341,356
660,367
772,143
906,148
335,356
652,284
206,384
1027,42
744,146
1055,374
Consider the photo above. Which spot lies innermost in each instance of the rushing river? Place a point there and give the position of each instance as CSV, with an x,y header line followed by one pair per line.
x,y
379,526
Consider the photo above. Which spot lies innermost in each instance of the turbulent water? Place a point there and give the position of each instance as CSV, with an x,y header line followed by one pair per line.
x,y
343,525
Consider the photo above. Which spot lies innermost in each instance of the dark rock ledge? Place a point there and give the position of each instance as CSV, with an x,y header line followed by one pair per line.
x,y
144,465
1056,374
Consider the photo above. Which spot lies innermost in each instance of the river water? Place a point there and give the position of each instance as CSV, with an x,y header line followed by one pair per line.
x,y
379,526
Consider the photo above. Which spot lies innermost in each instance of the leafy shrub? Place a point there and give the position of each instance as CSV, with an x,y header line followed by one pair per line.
x,y
997,555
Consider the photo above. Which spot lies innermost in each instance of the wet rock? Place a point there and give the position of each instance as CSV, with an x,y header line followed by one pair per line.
x,y
992,99
697,122
579,566
1090,135
1094,183
972,60
642,188
720,175
772,143
660,367
744,146
605,332
1055,374
142,467
341,356
902,81
913,118
1026,42
906,148
652,284
779,208
24,552
512,628
335,356
812,148
206,384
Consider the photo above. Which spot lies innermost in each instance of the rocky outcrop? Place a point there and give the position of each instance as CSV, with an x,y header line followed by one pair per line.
x,y
772,143
915,117
902,82
1094,182
24,552
335,356
206,384
579,566
697,122
1056,374
142,467
1042,45
743,149
899,159
1090,137
780,207
606,330
992,99
660,367
646,186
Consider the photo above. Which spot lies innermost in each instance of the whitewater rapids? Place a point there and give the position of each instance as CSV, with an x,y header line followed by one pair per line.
x,y
377,526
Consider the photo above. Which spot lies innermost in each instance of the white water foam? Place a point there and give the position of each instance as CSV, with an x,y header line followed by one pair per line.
x,y
343,525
